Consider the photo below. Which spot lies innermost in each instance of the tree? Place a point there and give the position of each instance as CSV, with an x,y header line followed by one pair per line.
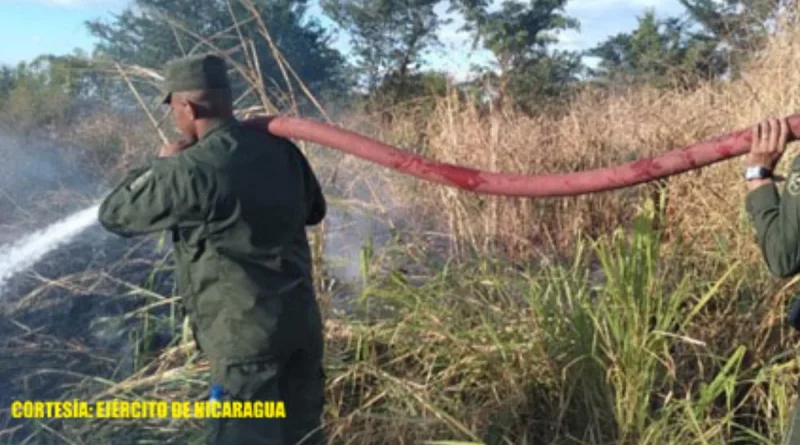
x,y
658,52
738,26
151,32
546,80
48,89
389,37
7,81
520,35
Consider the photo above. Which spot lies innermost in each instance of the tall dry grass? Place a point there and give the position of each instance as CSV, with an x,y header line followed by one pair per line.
x,y
597,130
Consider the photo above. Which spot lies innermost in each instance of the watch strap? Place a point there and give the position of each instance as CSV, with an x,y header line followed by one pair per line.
x,y
756,173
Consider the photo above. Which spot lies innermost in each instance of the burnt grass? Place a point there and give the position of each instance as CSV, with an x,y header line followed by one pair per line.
x,y
75,318
64,320
71,321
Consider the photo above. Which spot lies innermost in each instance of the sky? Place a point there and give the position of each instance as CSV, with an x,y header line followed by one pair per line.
x,y
29,28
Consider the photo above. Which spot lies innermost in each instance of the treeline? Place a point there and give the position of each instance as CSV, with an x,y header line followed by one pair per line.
x,y
389,39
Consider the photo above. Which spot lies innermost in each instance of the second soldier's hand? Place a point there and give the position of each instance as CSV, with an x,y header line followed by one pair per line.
x,y
768,145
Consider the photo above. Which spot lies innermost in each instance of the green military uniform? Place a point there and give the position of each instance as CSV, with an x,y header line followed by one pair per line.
x,y
237,203
777,223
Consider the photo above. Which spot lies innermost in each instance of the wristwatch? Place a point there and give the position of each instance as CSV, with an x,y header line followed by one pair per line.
x,y
756,173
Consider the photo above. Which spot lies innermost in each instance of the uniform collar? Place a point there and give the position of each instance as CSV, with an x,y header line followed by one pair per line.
x,y
221,125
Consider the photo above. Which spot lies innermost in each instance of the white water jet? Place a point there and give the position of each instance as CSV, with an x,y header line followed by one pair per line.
x,y
20,255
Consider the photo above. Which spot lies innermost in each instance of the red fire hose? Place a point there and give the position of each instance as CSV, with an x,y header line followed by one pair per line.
x,y
564,184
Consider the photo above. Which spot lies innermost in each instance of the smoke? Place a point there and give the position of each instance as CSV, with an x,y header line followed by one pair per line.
x,y
353,226
348,233
41,181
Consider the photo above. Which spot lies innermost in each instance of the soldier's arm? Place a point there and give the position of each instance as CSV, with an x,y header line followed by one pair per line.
x,y
777,222
167,194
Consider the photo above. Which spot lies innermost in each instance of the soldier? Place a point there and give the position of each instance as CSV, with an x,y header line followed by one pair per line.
x,y
237,202
776,218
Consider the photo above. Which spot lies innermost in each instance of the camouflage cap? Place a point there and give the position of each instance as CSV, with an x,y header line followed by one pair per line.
x,y
194,73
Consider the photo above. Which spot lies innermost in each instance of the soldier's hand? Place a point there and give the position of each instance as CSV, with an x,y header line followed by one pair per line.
x,y
768,144
171,149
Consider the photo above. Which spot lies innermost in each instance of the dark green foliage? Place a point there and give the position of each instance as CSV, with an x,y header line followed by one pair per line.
x,y
739,26
48,89
154,31
389,38
660,53
520,36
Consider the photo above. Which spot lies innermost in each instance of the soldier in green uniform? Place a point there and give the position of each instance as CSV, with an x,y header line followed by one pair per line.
x,y
776,217
237,202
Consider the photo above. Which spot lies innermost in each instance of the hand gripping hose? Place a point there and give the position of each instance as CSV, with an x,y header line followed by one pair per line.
x,y
547,185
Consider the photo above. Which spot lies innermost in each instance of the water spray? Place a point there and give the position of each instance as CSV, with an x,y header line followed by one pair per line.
x,y
489,183
19,256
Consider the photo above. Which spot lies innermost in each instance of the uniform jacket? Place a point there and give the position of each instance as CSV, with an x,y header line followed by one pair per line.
x,y
237,203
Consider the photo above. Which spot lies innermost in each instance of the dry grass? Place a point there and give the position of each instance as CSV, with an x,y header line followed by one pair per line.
x,y
634,340
598,131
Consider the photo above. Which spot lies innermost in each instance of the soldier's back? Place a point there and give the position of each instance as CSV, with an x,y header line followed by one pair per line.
x,y
251,265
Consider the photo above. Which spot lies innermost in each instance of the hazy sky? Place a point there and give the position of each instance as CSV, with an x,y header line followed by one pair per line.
x,y
32,27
